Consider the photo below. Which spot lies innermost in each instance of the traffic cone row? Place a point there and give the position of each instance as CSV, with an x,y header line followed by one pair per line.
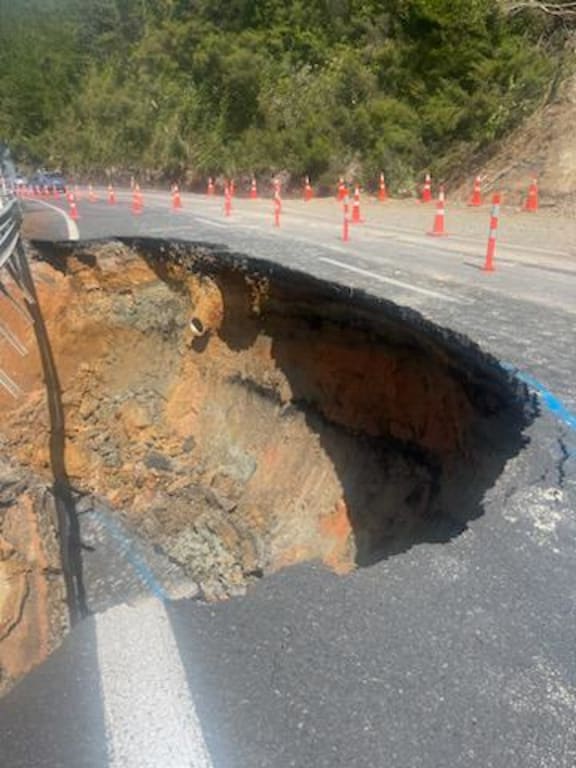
x,y
438,229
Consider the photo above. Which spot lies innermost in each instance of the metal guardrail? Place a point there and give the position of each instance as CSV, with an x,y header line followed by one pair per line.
x,y
14,266
11,255
10,220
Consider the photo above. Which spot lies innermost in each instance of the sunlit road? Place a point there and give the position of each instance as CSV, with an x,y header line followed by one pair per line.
x,y
449,655
535,258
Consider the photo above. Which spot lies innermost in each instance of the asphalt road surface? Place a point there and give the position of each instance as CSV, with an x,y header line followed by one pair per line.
x,y
456,655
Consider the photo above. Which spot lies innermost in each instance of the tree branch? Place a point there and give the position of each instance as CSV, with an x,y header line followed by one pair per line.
x,y
560,9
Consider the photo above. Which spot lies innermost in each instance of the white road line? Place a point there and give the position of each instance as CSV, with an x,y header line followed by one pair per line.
x,y
235,222
172,230
73,233
390,280
150,717
211,222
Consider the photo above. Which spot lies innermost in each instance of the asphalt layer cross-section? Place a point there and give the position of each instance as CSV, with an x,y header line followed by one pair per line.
x,y
455,655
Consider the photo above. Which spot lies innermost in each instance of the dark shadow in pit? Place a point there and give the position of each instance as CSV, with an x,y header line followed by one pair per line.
x,y
415,458
409,482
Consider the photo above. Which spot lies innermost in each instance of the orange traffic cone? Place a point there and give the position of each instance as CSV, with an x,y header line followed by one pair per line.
x,y
531,204
356,218
427,190
232,188
253,190
342,191
91,196
176,199
491,248
227,200
382,193
277,206
137,200
476,198
111,195
210,190
345,219
73,209
438,229
308,192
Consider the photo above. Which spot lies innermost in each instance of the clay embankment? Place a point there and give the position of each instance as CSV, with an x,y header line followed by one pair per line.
x,y
244,418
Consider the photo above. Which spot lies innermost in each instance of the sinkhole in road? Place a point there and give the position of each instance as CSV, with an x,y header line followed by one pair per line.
x,y
236,416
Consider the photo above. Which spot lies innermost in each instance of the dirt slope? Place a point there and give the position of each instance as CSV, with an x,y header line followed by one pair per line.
x,y
543,147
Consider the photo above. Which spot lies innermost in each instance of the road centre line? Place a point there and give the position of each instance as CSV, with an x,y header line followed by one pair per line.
x,y
340,249
390,280
150,717
165,232
211,222
73,233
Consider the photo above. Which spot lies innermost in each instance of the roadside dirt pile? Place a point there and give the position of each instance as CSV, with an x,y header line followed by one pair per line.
x,y
242,417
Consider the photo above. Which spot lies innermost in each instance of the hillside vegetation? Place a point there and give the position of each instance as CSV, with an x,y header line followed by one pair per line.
x,y
185,88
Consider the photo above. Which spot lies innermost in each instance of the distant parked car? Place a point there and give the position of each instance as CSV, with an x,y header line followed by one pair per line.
x,y
48,181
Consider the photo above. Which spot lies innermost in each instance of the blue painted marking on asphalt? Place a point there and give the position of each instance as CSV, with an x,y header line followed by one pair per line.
x,y
141,568
553,403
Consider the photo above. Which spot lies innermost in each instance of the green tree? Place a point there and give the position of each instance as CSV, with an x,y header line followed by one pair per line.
x,y
184,87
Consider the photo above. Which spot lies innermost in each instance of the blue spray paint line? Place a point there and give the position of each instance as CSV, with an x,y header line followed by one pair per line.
x,y
553,403
138,563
